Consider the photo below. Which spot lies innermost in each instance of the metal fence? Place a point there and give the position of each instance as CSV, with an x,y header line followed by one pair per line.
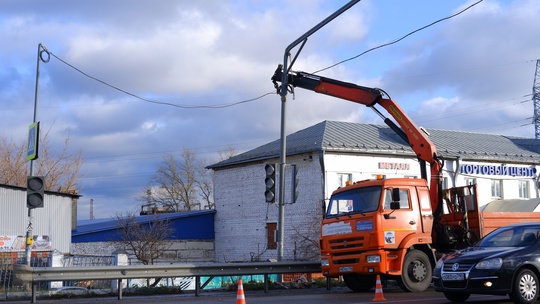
x,y
24,273
6,273
7,283
87,261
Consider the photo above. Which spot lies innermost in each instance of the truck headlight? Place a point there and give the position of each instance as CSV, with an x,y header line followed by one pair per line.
x,y
494,263
373,258
324,262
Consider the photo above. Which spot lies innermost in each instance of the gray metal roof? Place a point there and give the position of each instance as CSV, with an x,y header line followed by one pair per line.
x,y
512,205
338,136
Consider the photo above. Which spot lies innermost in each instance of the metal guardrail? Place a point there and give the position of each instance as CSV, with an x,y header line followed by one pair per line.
x,y
25,274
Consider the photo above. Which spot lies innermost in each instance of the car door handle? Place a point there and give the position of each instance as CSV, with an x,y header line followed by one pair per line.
x,y
412,223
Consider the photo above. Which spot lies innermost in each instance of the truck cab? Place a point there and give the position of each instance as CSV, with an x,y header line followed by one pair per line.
x,y
370,226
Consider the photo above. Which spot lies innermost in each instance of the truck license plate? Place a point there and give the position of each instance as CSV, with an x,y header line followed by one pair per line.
x,y
453,276
345,269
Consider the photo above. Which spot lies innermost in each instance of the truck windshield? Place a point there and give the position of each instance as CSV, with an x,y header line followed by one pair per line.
x,y
359,200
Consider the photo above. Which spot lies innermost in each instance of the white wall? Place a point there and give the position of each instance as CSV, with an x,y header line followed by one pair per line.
x,y
364,167
54,219
180,250
242,212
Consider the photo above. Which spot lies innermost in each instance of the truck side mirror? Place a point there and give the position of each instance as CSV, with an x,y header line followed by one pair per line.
x,y
395,205
395,195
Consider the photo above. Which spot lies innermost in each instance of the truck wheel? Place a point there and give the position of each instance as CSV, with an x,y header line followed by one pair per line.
x,y
456,297
359,283
417,272
525,287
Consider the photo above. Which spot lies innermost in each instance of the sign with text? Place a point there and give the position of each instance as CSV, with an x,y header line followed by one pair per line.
x,y
499,170
13,243
33,141
394,166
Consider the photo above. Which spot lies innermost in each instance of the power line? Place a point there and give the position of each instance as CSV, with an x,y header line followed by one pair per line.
x,y
399,39
157,101
251,99
469,110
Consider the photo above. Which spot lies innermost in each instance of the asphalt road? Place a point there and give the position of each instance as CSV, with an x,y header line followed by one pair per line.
x,y
297,296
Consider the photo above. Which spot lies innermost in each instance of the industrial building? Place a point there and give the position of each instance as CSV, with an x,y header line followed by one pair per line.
x,y
51,225
328,154
192,239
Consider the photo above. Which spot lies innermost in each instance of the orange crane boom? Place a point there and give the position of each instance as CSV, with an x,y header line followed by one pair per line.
x,y
417,139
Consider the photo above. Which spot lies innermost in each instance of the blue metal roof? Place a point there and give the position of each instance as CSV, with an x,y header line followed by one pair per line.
x,y
192,225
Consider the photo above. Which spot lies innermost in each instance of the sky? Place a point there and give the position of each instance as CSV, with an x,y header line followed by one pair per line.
x,y
473,72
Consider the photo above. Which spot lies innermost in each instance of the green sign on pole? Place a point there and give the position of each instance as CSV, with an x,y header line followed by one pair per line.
x,y
33,140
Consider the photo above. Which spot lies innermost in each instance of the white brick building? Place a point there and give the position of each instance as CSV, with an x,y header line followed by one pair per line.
x,y
329,153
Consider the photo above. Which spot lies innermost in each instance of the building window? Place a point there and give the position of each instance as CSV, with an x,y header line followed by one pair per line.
x,y
523,189
271,235
496,188
342,178
470,181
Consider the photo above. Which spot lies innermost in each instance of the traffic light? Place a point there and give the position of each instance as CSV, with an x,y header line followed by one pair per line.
x,y
35,192
270,182
294,178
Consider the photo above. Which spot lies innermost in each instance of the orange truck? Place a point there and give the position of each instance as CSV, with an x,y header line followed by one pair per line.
x,y
396,228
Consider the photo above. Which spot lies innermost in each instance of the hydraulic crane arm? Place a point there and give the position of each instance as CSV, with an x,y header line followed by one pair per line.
x,y
413,135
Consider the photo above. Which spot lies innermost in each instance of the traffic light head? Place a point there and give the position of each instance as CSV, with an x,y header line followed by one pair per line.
x,y
35,192
270,182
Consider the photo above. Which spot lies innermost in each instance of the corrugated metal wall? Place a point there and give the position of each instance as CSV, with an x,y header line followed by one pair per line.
x,y
54,219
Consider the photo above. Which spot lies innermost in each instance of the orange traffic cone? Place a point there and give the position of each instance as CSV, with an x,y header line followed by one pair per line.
x,y
240,298
378,291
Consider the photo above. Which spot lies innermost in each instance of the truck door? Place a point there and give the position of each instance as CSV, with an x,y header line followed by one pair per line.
x,y
399,223
426,213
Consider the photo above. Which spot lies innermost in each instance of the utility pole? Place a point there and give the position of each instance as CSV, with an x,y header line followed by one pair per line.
x,y
92,209
283,92
31,156
536,100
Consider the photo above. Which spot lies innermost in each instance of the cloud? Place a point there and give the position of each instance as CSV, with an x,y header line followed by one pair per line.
x,y
466,73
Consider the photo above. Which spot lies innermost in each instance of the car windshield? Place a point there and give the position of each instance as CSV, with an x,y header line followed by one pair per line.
x,y
359,200
517,236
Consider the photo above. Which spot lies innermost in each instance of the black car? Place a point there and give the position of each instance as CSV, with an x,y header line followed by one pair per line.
x,y
505,262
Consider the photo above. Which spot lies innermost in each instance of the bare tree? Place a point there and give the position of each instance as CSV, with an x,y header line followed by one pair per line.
x,y
180,183
176,179
146,241
205,182
227,153
61,169
12,163
205,185
306,239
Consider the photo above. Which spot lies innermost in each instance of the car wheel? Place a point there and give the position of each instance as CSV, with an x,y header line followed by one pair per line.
x,y
359,283
456,297
525,287
417,272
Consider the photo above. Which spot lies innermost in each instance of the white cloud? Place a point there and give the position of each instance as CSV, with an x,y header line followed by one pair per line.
x,y
462,74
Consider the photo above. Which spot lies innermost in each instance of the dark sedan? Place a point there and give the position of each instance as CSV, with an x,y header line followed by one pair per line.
x,y
505,262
